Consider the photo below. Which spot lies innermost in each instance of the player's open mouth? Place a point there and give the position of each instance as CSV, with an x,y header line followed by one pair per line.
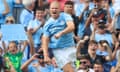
x,y
54,12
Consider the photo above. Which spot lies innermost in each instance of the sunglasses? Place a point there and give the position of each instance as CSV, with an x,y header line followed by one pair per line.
x,y
11,21
83,62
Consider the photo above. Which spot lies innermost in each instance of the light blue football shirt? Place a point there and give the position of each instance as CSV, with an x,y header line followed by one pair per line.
x,y
37,35
25,17
79,8
53,26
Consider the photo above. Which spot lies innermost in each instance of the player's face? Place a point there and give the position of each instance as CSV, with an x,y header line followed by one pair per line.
x,y
54,10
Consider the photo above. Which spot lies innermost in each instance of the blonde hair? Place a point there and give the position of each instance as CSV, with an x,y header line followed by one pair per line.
x,y
10,18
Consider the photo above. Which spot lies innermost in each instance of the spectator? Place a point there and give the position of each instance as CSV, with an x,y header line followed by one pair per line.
x,y
92,47
35,28
58,34
27,13
4,10
85,64
44,4
10,20
13,57
82,9
116,21
98,67
102,50
11,4
101,12
105,50
106,5
40,66
102,34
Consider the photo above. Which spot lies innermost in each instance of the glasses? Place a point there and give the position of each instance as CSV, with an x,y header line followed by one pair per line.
x,y
83,62
7,21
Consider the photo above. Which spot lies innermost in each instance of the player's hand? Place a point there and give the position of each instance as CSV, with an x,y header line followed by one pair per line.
x,y
58,35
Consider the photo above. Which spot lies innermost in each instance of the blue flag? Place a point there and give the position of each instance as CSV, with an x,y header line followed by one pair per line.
x,y
11,32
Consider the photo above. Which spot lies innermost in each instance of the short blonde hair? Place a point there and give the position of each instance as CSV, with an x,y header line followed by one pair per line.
x,y
10,18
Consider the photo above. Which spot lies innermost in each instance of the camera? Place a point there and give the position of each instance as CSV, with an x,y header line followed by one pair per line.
x,y
40,55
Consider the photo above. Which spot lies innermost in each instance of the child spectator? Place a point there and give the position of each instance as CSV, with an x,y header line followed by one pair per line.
x,y
14,56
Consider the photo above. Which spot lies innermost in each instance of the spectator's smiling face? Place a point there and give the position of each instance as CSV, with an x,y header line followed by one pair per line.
x,y
12,48
39,14
55,10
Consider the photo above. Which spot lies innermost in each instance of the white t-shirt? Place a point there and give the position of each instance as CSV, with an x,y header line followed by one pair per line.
x,y
90,70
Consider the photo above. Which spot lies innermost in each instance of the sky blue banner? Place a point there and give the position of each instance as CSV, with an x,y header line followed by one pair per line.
x,y
12,32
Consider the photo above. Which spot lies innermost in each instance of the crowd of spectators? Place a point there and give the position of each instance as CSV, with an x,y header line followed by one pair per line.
x,y
63,36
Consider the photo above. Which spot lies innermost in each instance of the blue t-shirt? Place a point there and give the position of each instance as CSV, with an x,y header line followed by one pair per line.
x,y
79,8
37,35
11,4
25,17
2,9
53,26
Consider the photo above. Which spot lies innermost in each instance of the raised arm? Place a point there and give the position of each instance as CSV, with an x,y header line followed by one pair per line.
x,y
31,43
79,46
6,8
92,37
88,21
24,67
24,46
115,50
4,46
109,57
86,7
